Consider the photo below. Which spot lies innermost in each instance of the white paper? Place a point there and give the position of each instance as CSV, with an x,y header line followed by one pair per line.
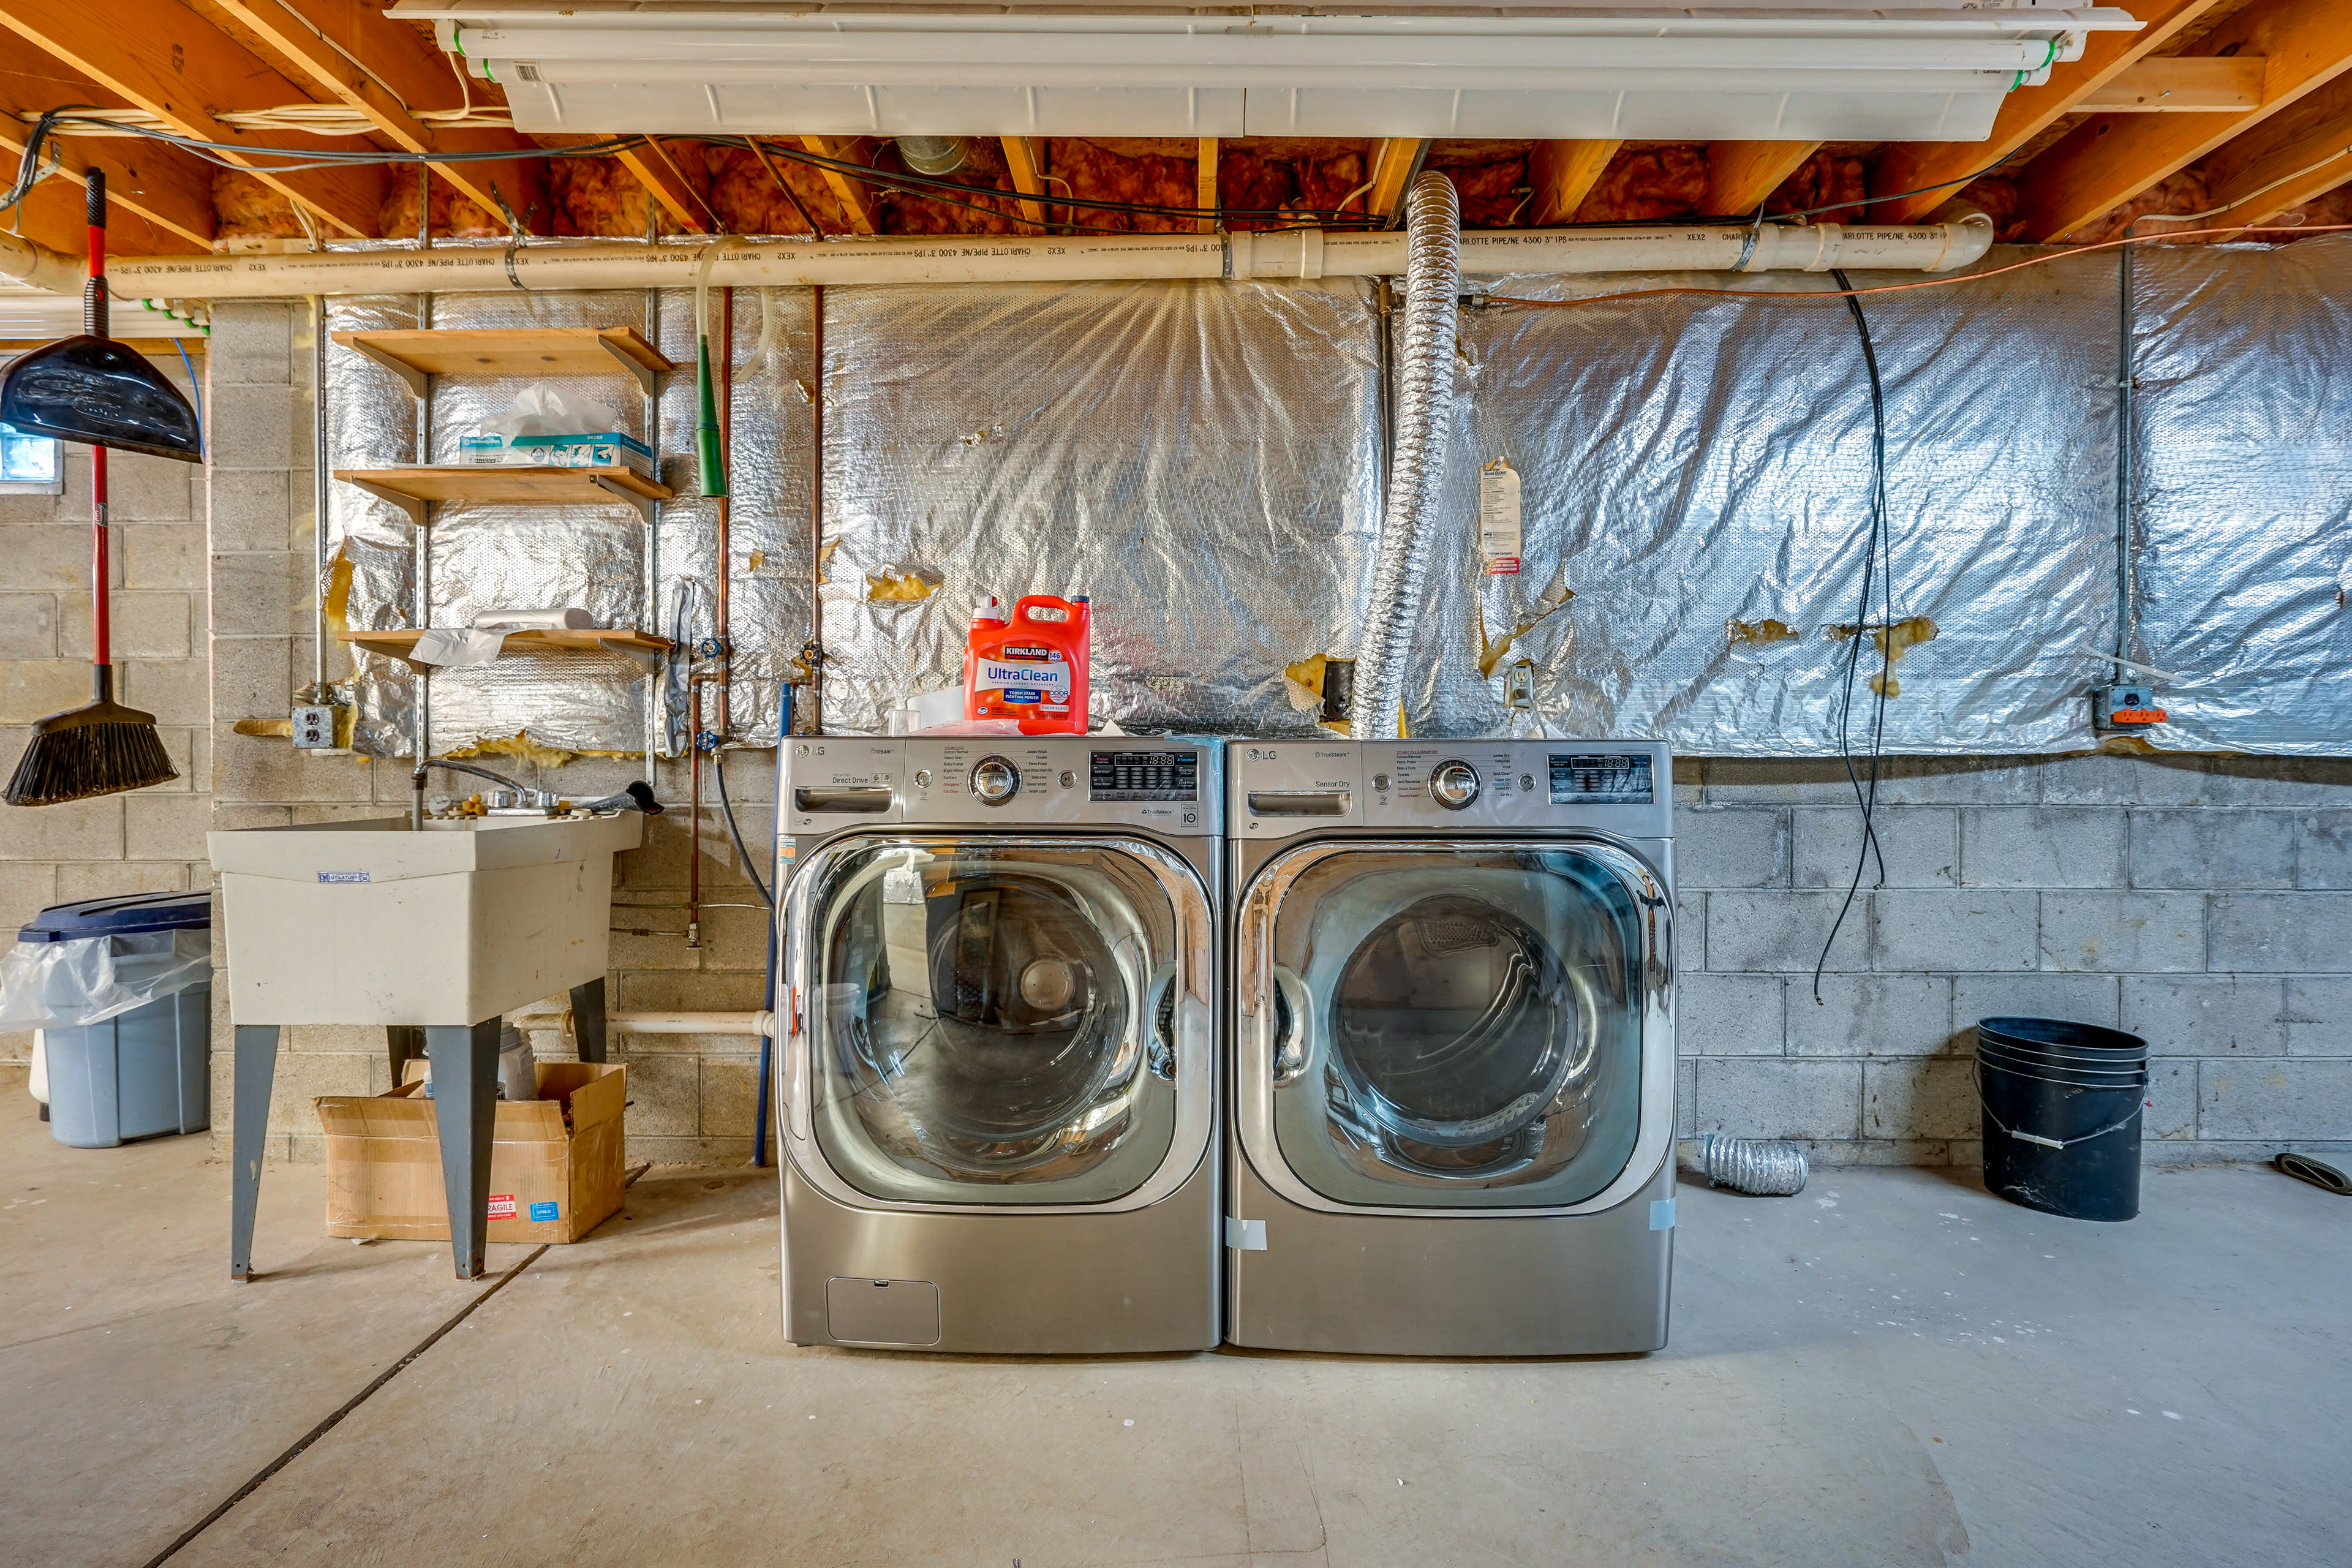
x,y
451,647
1499,535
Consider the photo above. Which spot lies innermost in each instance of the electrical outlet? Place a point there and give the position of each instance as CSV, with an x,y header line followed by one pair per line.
x,y
314,728
2125,708
1519,686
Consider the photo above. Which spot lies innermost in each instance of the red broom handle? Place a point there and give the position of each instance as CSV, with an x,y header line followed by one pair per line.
x,y
94,313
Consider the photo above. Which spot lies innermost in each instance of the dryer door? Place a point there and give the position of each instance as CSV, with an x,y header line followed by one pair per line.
x,y
1454,1025
994,1021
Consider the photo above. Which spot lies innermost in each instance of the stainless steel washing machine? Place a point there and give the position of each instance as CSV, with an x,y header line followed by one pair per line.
x,y
1452,1046
1001,1064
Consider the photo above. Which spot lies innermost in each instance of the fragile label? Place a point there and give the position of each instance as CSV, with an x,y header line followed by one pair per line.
x,y
1499,536
502,1206
542,1210
1051,678
346,877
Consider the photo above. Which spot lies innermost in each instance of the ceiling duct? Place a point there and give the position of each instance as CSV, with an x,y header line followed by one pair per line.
x,y
1832,70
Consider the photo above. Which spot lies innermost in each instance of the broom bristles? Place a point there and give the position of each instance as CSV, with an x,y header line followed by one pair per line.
x,y
104,748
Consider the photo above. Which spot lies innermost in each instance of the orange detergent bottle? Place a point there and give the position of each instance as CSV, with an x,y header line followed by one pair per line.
x,y
1031,665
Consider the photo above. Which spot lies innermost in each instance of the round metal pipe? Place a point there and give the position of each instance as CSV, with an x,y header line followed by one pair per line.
x,y
452,268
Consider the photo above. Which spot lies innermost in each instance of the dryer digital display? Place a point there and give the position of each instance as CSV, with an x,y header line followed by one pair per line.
x,y
1613,778
1148,776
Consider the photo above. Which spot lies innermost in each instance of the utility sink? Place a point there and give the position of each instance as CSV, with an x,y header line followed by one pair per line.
x,y
378,923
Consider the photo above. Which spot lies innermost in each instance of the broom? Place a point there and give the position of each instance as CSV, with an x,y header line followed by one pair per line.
x,y
105,748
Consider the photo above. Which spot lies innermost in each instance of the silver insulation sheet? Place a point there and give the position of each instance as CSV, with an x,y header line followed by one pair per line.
x,y
1689,462
1201,459
598,557
2244,493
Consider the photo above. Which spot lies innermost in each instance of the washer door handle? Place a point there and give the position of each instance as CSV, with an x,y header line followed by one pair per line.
x,y
1291,1051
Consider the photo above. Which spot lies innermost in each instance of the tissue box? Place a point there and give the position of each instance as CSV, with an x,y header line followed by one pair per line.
x,y
597,450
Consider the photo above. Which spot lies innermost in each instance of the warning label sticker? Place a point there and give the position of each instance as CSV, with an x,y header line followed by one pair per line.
x,y
502,1206
542,1210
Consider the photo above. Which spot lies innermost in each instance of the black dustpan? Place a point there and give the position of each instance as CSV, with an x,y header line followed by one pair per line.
x,y
94,390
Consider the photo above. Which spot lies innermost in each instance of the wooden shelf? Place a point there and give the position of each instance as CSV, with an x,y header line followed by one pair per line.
x,y
414,491
399,643
415,356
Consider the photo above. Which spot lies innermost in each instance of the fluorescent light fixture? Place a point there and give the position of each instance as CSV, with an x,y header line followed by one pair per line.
x,y
1824,72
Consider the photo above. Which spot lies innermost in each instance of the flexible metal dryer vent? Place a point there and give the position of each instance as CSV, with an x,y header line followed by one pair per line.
x,y
1763,1166
1424,419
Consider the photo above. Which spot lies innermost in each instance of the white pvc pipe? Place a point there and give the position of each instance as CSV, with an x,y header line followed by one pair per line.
x,y
979,258
661,1023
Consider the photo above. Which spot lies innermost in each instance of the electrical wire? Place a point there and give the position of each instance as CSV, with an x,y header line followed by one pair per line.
x,y
2250,196
196,393
1877,560
726,810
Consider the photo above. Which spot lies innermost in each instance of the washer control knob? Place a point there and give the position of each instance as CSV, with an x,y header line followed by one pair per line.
x,y
1454,784
994,780
922,778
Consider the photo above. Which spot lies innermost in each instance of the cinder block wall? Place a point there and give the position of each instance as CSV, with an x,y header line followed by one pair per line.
x,y
151,841
690,1095
2203,902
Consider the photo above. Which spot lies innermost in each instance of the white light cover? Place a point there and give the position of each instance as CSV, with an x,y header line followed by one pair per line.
x,y
1904,72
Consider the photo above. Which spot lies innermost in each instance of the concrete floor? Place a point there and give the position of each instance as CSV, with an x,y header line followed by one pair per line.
x,y
1892,1368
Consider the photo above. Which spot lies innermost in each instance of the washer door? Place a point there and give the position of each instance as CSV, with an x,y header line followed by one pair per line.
x,y
998,1022
1451,1025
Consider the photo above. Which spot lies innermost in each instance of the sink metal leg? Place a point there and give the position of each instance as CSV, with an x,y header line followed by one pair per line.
x,y
465,1083
254,1069
588,1019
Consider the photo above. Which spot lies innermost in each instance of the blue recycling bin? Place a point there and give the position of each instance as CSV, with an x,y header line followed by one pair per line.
x,y
126,985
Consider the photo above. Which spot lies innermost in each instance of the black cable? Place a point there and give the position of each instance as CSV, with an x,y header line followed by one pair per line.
x,y
727,809
1876,546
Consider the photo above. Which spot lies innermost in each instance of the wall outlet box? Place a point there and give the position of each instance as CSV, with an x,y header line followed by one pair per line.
x,y
2125,708
314,728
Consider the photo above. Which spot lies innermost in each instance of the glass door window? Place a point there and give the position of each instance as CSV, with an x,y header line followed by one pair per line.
x,y
998,1023
1455,1027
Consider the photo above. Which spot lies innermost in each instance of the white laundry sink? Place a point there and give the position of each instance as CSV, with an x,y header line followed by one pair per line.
x,y
377,922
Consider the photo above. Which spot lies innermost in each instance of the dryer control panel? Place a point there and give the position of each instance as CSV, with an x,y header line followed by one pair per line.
x,y
1172,786
1287,788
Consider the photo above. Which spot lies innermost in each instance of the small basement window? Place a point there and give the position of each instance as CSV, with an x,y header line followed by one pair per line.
x,y
29,464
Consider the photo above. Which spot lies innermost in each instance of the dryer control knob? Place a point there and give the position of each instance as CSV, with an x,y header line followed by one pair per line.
x,y
1454,784
994,780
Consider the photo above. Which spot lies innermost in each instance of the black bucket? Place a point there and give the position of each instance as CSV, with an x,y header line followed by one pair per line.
x,y
2063,1106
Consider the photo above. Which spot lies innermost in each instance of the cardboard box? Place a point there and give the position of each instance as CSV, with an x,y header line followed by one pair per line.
x,y
546,1183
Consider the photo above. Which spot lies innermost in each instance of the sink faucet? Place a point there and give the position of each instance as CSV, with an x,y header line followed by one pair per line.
x,y
637,797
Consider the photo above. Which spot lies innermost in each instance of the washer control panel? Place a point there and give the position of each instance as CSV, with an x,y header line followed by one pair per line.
x,y
1170,784
1288,788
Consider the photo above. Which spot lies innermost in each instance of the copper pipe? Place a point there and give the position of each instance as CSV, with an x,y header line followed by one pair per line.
x,y
726,460
808,703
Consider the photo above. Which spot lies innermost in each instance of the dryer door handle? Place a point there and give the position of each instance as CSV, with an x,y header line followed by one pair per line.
x,y
1293,1047
1298,802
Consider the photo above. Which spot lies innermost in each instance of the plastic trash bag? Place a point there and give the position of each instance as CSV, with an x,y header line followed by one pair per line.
x,y
53,985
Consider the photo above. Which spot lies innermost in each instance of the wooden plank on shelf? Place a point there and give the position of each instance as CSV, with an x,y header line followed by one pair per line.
x,y
1929,168
414,491
531,351
400,642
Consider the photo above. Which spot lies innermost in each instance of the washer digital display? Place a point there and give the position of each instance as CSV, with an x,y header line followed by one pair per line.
x,y
1144,776
1613,778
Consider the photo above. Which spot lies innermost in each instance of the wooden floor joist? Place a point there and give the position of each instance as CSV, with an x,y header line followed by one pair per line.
x,y
2111,158
655,165
1021,160
1204,186
160,57
326,39
166,187
2288,159
856,199
1392,166
1562,175
1740,175
1928,168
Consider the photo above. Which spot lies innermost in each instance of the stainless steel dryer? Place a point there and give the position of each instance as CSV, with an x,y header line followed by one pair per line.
x,y
1452,1046
1001,1063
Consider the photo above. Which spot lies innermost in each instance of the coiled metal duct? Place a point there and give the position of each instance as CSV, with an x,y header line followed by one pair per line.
x,y
1423,421
1763,1166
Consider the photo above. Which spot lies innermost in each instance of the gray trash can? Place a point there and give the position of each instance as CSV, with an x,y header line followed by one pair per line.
x,y
121,992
